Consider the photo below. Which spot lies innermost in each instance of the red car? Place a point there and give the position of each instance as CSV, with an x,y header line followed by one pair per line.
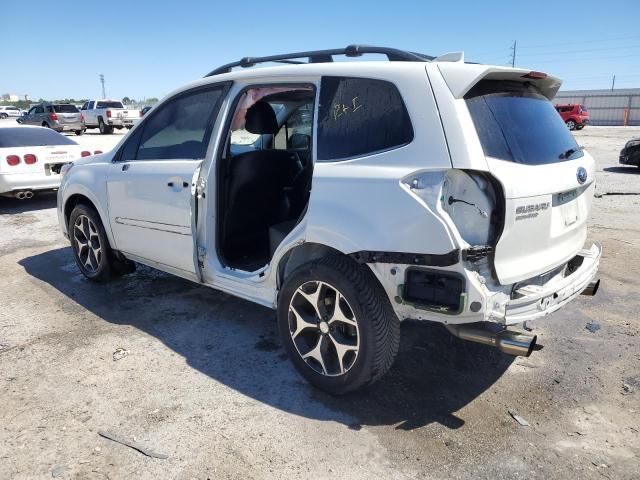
x,y
575,116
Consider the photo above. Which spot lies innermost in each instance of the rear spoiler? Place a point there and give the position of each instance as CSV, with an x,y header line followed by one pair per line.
x,y
461,77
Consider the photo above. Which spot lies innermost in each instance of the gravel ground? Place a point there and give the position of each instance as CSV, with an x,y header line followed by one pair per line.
x,y
206,382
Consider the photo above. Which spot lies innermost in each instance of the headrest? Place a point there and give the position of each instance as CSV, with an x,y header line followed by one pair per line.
x,y
260,119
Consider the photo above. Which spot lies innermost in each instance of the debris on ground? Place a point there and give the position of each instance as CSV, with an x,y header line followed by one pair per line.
x,y
57,471
593,327
627,389
134,445
120,353
518,418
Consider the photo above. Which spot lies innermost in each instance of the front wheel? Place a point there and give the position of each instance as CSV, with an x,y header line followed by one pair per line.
x,y
90,244
3,115
337,324
79,132
571,125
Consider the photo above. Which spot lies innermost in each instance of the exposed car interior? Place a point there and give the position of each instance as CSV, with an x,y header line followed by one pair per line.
x,y
265,174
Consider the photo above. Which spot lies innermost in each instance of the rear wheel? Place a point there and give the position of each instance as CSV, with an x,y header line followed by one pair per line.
x,y
571,125
79,132
104,128
3,115
337,325
579,127
45,125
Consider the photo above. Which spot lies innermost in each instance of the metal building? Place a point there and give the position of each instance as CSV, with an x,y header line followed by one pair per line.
x,y
606,107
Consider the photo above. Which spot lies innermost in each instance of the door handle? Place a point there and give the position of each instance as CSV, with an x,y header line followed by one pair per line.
x,y
125,167
170,184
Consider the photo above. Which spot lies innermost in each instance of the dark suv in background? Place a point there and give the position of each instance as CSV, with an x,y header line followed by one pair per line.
x,y
575,116
60,117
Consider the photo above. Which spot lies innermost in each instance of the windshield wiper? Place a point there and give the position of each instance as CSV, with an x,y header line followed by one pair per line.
x,y
570,152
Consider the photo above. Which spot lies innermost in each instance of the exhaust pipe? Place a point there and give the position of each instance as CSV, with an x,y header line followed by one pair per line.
x,y
507,341
28,194
592,288
20,195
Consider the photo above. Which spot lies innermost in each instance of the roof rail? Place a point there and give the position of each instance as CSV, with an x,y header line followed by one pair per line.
x,y
323,56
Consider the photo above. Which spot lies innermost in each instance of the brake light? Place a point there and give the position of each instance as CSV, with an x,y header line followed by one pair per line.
x,y
97,152
30,159
535,75
81,117
84,153
53,116
108,113
13,160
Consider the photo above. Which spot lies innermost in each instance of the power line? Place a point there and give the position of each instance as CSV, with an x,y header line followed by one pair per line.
x,y
538,54
586,58
581,42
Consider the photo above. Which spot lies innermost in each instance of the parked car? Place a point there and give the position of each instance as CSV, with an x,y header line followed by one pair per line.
x,y
144,110
576,117
31,158
630,154
61,117
430,201
9,111
108,114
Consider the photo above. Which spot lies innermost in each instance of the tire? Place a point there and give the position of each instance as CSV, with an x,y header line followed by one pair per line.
x,y
79,132
3,115
45,125
579,127
104,128
90,244
337,347
571,125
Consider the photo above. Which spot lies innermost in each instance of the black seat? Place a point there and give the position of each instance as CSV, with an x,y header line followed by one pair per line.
x,y
255,191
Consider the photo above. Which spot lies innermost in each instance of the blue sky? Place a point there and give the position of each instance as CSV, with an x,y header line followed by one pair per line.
x,y
57,49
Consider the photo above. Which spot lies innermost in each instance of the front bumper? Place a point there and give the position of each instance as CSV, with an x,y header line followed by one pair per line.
x,y
28,181
535,301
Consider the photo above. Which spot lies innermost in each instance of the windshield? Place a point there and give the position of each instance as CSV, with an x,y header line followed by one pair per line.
x,y
31,137
65,109
109,105
516,123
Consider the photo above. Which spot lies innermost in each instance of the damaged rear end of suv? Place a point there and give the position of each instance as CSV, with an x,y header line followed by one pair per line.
x,y
515,204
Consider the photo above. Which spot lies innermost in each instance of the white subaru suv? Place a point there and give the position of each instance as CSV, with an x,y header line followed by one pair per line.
x,y
350,196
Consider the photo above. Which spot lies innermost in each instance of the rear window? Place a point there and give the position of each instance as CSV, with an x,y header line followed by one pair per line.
x,y
516,123
583,108
65,109
109,105
360,116
31,137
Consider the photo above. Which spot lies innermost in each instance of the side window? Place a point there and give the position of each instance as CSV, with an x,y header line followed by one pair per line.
x,y
359,116
91,105
84,107
179,129
295,134
31,111
39,110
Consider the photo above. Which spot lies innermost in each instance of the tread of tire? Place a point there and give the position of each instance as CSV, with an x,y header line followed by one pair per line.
x,y
386,327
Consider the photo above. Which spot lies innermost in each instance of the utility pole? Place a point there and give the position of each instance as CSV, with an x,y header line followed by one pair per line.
x,y
104,95
513,54
613,83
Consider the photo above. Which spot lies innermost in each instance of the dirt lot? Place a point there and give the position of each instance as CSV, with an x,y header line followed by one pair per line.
x,y
206,382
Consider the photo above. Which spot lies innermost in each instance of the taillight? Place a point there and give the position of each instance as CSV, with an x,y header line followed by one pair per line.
x,y
81,118
141,114
53,116
535,75
108,113
84,153
97,152
13,160
30,159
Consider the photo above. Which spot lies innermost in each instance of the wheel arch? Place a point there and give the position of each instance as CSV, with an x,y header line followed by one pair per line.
x,y
83,197
308,252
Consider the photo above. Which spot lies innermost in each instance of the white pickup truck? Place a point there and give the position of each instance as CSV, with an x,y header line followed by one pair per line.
x,y
108,114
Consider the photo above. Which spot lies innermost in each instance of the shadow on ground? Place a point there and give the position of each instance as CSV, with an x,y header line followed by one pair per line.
x,y
41,201
630,169
235,342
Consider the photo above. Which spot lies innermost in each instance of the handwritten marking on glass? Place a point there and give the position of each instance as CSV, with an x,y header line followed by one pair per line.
x,y
340,109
